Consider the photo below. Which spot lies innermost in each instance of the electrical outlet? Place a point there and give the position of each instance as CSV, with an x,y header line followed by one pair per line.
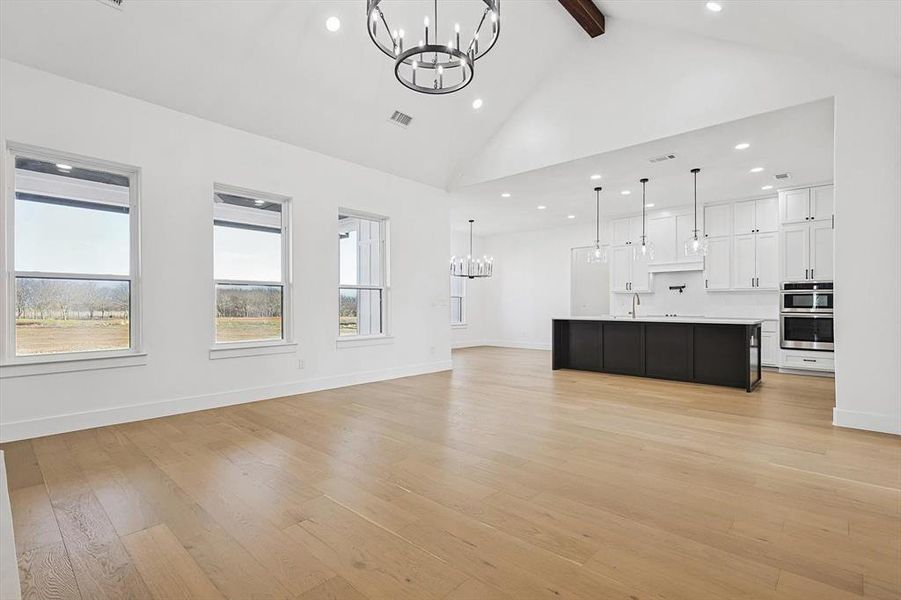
x,y
431,349
301,364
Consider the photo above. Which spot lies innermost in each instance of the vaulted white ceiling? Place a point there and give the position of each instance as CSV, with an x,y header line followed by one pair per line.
x,y
270,67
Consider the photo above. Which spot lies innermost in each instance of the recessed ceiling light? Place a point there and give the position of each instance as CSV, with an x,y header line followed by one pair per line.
x,y
595,176
505,195
477,103
541,207
259,202
63,167
767,187
649,205
626,192
742,146
570,216
714,6
333,24
757,169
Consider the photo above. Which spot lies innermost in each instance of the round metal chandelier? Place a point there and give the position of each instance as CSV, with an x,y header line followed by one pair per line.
x,y
467,266
431,67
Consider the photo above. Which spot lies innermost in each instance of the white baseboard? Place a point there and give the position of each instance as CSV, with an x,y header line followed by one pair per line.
x,y
475,344
866,420
20,430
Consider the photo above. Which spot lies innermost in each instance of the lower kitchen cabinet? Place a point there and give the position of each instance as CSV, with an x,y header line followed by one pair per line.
x,y
769,344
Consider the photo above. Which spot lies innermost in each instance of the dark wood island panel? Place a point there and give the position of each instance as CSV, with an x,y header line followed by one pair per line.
x,y
701,352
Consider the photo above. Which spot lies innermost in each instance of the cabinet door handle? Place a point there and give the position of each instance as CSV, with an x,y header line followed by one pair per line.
x,y
813,360
705,284
805,273
811,274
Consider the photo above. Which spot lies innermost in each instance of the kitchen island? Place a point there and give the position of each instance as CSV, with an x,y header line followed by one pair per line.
x,y
697,349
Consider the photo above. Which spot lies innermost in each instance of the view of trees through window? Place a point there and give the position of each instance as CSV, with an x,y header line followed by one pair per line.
x,y
72,259
71,315
247,249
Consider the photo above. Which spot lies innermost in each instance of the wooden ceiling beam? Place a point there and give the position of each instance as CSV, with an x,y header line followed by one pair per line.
x,y
586,14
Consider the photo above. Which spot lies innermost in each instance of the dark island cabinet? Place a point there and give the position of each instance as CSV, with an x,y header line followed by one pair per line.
x,y
714,353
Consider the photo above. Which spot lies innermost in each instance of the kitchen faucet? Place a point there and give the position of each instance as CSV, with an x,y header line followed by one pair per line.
x,y
636,301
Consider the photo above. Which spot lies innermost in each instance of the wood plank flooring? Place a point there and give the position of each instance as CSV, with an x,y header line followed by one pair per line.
x,y
500,480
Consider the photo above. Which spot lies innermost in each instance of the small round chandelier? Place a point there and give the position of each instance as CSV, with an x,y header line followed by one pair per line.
x,y
429,66
467,266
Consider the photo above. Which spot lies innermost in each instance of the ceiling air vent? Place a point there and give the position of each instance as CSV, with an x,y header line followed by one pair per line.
x,y
661,158
114,3
400,119
782,176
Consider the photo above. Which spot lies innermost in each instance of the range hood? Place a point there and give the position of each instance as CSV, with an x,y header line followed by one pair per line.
x,y
673,267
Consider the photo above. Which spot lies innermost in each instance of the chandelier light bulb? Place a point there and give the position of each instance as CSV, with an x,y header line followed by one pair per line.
x,y
426,21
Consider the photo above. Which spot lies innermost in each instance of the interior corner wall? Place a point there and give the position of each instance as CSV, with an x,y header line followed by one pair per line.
x,y
180,157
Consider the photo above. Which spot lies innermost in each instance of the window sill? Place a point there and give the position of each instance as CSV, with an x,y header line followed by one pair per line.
x,y
458,325
237,350
364,340
68,364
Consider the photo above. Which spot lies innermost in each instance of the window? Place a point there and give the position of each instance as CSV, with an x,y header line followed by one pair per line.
x,y
362,286
74,276
250,256
458,300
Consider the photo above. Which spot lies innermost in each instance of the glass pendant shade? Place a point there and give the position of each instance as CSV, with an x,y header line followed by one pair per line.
x,y
598,254
696,246
644,250
467,266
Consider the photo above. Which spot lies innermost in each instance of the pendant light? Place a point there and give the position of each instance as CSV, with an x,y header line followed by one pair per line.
x,y
599,253
469,267
696,245
645,250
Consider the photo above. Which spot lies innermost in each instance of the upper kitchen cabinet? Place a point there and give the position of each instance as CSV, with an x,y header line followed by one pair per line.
x,y
756,216
626,231
806,204
718,264
717,220
822,200
668,234
755,262
627,272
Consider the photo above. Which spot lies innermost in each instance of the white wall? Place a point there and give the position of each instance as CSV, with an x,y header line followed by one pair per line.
x,y
470,334
180,157
531,284
651,84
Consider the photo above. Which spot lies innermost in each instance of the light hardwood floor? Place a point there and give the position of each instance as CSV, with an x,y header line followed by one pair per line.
x,y
500,480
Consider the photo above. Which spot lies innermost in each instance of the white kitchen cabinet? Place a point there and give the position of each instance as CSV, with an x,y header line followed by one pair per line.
x,y
662,232
718,263
769,344
822,202
767,251
821,253
620,268
744,262
626,231
628,273
641,279
794,206
755,264
717,220
807,252
744,217
806,204
767,214
795,249
756,216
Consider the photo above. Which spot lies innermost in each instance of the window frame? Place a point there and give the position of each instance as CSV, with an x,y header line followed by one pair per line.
x,y
463,285
35,364
384,288
286,343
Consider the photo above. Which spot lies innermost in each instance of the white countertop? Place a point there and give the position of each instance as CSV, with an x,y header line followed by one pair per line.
x,y
651,319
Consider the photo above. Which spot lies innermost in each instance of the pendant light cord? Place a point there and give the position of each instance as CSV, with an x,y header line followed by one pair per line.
x,y
597,217
695,172
643,203
470,237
